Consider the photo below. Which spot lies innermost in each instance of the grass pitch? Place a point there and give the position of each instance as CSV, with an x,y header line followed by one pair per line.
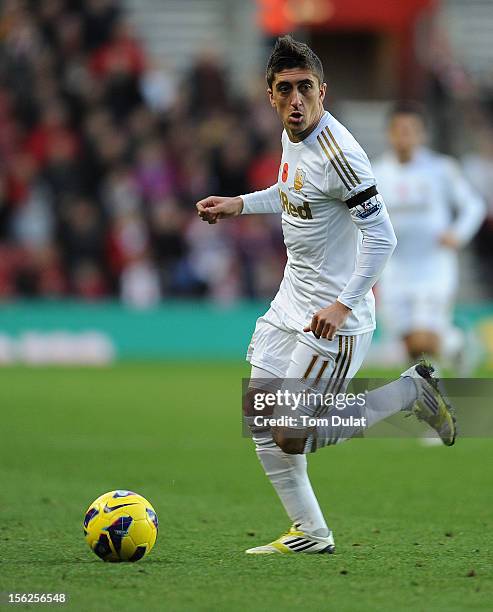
x,y
413,525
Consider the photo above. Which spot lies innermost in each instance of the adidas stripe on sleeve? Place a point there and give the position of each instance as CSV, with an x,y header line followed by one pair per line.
x,y
349,176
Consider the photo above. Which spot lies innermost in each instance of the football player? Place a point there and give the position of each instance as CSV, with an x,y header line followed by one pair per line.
x,y
435,212
316,333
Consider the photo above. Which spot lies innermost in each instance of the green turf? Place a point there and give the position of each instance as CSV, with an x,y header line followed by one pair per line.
x,y
413,525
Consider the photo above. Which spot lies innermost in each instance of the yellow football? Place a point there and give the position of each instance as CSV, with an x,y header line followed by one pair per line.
x,y
121,526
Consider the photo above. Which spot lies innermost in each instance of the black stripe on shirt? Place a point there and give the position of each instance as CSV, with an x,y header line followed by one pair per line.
x,y
362,197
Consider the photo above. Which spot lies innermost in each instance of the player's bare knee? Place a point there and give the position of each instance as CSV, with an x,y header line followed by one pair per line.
x,y
287,443
422,342
254,404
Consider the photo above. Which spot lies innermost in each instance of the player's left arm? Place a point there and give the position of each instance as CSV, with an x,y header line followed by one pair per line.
x,y
378,244
469,206
368,211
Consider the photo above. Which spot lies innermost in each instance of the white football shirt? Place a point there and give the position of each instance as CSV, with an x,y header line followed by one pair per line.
x,y
426,197
326,194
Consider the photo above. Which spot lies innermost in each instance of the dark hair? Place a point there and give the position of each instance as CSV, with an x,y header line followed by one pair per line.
x,y
290,53
408,107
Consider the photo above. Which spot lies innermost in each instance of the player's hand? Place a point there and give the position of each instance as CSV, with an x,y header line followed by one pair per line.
x,y
216,207
327,321
449,240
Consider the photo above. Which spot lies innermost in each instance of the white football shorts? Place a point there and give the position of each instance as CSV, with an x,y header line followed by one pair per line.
x,y
420,310
281,349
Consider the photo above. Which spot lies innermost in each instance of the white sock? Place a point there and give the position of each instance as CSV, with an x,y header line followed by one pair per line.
x,y
289,477
385,401
287,473
379,404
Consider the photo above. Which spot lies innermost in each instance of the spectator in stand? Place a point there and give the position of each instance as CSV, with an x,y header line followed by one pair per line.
x,y
82,233
88,282
5,208
128,240
120,193
168,225
99,17
154,174
209,94
211,265
62,169
140,284
264,166
231,166
119,64
52,133
32,222
10,130
157,87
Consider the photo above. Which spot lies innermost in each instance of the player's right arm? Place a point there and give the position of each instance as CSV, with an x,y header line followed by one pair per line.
x,y
213,208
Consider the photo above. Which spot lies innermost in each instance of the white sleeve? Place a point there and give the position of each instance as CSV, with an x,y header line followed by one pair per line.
x,y
378,244
350,179
470,207
265,201
349,172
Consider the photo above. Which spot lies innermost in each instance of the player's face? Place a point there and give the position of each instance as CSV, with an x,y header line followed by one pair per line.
x,y
406,133
298,97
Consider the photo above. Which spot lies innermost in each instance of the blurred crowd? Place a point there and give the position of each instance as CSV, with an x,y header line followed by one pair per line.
x,y
103,155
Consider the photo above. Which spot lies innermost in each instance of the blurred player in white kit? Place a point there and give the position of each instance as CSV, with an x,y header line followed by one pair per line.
x,y
435,212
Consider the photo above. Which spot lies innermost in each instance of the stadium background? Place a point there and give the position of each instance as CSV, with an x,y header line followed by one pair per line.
x,y
115,117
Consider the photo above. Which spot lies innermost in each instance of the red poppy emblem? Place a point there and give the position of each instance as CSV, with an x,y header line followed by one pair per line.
x,y
285,169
